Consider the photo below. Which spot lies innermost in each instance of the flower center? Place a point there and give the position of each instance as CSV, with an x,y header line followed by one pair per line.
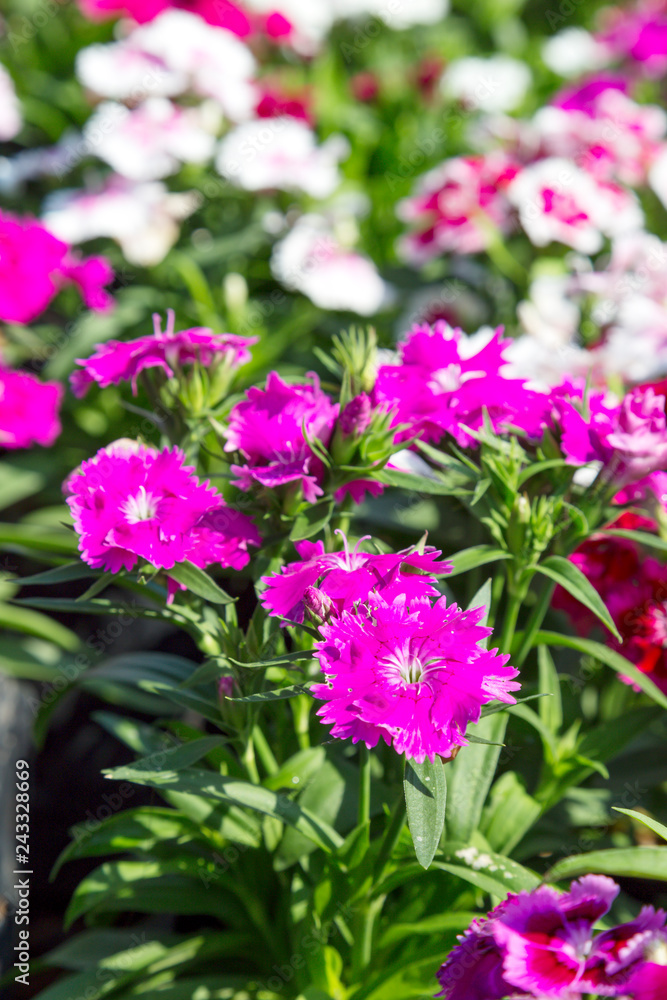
x,y
142,507
407,664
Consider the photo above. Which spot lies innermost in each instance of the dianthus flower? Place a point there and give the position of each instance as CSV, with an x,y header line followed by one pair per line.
x,y
541,944
634,588
28,410
131,501
33,266
629,439
349,576
123,361
221,13
446,382
457,206
267,429
411,672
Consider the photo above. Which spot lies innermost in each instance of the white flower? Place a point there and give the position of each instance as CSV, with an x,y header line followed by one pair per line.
x,y
10,111
559,202
550,314
574,51
312,261
216,62
152,140
281,153
498,83
125,72
143,218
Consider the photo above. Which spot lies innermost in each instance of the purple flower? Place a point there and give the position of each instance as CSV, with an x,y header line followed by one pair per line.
x,y
28,410
133,502
350,576
409,672
474,968
267,429
446,382
118,361
630,438
549,948
357,416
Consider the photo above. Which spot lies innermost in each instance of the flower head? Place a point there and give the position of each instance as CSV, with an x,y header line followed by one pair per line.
x,y
349,577
33,266
445,382
267,429
133,502
118,361
474,968
28,410
411,672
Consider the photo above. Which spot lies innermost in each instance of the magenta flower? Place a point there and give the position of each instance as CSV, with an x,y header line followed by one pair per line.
x,y
445,382
118,361
629,439
28,410
133,502
549,948
409,672
267,429
350,576
34,265
221,13
649,981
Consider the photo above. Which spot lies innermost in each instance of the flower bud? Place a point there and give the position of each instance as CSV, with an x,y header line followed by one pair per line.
x,y
225,686
318,605
356,416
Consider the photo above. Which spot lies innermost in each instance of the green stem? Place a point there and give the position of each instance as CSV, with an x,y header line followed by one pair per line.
x,y
364,785
533,624
514,602
248,759
390,839
362,949
497,587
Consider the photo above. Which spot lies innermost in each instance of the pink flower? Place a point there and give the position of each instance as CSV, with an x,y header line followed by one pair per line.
x,y
267,429
221,13
649,982
559,202
640,33
28,410
350,576
133,502
118,361
456,204
446,382
410,672
33,266
549,948
630,438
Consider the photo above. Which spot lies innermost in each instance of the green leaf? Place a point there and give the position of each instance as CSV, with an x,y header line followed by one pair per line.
x,y
425,787
514,876
39,538
537,467
606,655
17,483
60,574
476,555
298,770
573,580
641,537
510,813
277,661
241,793
550,709
179,757
470,777
626,862
420,484
33,623
199,582
312,520
648,821
280,694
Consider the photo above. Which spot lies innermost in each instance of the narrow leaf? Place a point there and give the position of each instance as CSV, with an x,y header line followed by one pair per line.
x,y
199,582
476,555
573,580
425,787
648,821
628,862
278,695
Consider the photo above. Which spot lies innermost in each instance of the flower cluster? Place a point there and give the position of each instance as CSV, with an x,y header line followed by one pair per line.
x,y
542,944
131,501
